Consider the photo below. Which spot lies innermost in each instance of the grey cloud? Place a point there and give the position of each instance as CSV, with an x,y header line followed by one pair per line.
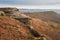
x,y
30,2
40,2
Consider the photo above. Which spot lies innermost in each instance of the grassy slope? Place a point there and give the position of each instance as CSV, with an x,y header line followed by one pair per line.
x,y
51,17
46,16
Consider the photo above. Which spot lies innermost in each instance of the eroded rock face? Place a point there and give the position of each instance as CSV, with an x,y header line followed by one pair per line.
x,y
8,9
12,12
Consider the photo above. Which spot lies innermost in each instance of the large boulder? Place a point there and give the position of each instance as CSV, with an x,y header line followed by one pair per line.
x,y
2,13
8,9
12,12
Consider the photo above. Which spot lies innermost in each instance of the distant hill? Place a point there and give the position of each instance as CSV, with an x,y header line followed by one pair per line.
x,y
36,10
46,16
39,10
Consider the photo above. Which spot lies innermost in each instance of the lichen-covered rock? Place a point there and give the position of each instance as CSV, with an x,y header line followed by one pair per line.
x,y
2,13
12,12
8,9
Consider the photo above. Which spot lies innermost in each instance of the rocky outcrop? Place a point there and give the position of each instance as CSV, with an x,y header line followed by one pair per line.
x,y
8,9
17,26
12,12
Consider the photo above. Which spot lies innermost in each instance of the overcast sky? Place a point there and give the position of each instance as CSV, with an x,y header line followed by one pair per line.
x,y
31,3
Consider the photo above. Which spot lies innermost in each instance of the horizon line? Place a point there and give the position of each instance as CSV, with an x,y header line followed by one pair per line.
x,y
32,7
